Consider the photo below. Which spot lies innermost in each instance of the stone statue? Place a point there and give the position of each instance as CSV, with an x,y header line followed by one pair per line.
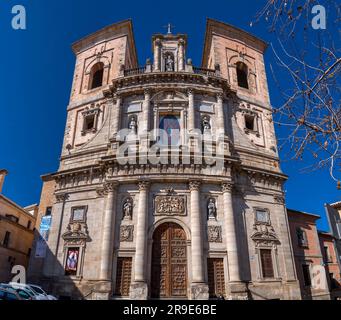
x,y
128,209
206,124
133,125
169,63
212,210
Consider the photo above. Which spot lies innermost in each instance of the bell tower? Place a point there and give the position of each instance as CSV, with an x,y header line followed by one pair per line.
x,y
169,52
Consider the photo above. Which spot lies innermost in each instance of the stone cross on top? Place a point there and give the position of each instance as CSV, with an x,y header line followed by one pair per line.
x,y
169,27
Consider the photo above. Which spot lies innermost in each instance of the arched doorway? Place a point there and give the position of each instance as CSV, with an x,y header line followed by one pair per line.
x,y
169,262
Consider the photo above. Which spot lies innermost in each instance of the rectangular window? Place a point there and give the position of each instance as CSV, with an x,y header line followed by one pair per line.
x,y
266,261
48,211
301,237
327,256
29,223
72,261
306,275
262,216
78,214
6,239
12,218
249,122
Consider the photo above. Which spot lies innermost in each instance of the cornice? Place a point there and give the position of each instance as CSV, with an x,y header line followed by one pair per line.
x,y
162,80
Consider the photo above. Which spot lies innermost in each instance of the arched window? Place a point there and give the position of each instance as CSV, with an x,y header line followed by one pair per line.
x,y
96,75
170,126
242,72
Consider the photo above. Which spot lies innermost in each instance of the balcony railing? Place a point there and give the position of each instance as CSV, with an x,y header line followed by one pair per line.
x,y
134,71
188,68
206,72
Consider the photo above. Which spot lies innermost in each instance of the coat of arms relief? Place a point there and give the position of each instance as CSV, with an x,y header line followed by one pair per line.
x,y
170,204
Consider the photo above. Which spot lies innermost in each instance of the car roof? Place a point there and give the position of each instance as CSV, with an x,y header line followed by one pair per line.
x,y
10,290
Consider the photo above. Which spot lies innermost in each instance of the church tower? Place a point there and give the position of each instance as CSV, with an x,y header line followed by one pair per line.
x,y
169,183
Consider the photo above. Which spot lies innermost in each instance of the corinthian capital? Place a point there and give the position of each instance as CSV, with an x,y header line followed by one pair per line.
x,y
62,197
194,185
147,92
144,185
110,186
190,91
227,187
220,97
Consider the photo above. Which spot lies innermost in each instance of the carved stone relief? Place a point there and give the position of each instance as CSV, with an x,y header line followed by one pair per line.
x,y
214,234
127,233
170,205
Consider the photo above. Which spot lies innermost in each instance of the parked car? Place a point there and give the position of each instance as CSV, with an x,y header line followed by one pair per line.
x,y
36,289
8,294
24,293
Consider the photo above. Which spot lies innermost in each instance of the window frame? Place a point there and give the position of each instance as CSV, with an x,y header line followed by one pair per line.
x,y
306,266
97,67
6,241
304,242
242,70
73,209
263,268
265,210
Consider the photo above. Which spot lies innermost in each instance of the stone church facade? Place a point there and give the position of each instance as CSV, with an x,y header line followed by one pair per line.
x,y
179,221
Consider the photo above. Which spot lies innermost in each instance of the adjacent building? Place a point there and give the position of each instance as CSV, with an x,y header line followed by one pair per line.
x,y
315,257
42,228
16,233
330,261
333,212
169,183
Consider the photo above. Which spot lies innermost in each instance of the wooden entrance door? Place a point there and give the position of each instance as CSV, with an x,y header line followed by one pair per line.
x,y
216,279
169,262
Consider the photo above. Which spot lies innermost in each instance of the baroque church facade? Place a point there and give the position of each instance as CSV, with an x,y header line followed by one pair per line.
x,y
143,215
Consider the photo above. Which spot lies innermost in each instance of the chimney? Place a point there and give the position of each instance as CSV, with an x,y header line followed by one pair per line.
x,y
3,174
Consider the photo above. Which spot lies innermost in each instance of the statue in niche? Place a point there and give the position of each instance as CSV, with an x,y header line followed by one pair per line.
x,y
206,126
212,209
169,63
128,209
133,124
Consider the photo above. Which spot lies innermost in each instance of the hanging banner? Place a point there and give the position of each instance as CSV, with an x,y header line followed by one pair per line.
x,y
44,230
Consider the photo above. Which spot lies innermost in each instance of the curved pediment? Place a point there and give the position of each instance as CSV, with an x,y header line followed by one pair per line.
x,y
169,96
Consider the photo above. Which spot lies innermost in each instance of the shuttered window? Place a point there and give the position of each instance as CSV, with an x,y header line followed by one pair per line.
x,y
123,276
267,266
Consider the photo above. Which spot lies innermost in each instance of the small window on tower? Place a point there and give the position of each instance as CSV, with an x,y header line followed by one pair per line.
x,y
249,122
96,75
242,73
89,122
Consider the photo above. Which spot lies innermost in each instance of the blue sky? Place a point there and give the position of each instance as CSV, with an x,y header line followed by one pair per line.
x,y
36,73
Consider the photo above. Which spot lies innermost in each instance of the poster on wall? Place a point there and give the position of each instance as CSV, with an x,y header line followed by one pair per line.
x,y
72,261
44,230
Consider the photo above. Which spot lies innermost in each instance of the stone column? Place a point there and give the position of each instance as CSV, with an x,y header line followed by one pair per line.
x,y
236,289
191,112
157,59
199,289
117,116
181,55
144,125
230,231
220,114
108,232
139,287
